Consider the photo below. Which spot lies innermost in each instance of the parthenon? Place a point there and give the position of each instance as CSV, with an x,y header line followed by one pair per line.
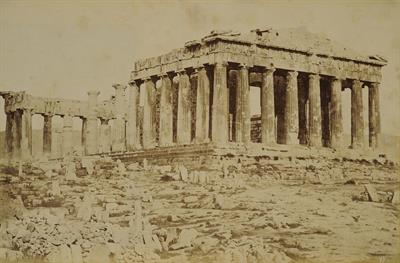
x,y
199,94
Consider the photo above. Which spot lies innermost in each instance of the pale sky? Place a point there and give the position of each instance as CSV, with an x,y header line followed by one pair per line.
x,y
65,48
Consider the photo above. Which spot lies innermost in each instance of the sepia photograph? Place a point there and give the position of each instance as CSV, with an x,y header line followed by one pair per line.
x,y
199,131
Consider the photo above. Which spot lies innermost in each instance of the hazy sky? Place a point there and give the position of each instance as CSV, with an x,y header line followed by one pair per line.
x,y
65,48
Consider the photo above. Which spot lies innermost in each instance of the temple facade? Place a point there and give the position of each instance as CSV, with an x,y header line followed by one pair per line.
x,y
200,94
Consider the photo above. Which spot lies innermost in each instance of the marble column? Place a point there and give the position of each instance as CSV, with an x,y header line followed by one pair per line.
x,y
373,115
132,138
242,122
149,118
105,135
47,133
336,114
314,111
118,143
57,142
219,122
91,143
202,106
357,120
83,132
183,132
16,134
67,138
26,134
268,107
291,109
9,134
166,129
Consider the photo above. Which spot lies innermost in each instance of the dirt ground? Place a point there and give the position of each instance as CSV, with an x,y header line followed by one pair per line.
x,y
257,212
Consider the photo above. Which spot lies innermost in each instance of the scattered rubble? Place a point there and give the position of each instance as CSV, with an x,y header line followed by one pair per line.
x,y
103,210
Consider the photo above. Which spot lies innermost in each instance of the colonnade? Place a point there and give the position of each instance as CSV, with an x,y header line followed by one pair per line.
x,y
210,103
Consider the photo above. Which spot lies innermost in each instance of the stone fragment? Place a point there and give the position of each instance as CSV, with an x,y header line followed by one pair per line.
x,y
190,199
133,167
183,172
70,172
99,254
372,195
55,188
396,197
185,238
223,203
76,254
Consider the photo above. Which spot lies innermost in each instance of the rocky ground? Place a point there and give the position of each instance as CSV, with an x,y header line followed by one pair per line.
x,y
100,210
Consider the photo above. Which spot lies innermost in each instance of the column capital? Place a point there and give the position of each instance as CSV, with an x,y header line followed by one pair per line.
x,y
119,87
312,75
269,71
292,73
374,85
243,66
356,82
221,63
181,72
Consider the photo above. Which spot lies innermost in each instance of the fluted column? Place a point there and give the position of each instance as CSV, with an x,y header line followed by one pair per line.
x,y
314,111
242,122
268,107
26,134
118,143
184,126
291,109
47,130
83,132
336,114
57,141
357,120
374,115
91,144
166,129
67,139
105,135
220,104
16,134
202,106
149,115
132,138
8,134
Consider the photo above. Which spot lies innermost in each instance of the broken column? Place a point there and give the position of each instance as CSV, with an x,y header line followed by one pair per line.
x,y
314,118
91,144
118,143
149,126
166,129
202,105
67,138
336,113
105,135
291,109
47,128
183,135
219,113
267,107
373,115
242,123
357,120
132,138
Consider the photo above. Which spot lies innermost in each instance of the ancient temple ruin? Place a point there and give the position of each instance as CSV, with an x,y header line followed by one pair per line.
x,y
199,94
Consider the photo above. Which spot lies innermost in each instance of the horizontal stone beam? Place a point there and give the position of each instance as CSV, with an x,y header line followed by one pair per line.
x,y
263,57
